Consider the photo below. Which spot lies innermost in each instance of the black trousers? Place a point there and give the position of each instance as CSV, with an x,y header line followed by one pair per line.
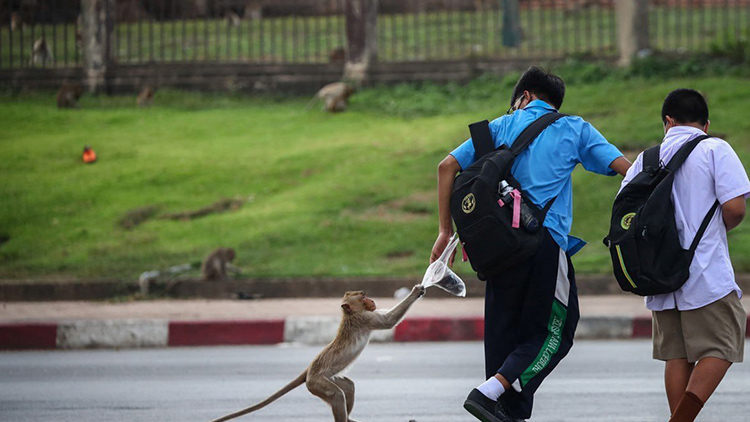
x,y
530,316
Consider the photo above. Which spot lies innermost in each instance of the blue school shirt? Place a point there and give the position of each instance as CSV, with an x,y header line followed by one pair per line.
x,y
544,168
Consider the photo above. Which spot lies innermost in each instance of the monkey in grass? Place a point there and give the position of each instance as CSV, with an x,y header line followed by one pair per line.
x,y
323,377
335,96
68,95
146,97
217,263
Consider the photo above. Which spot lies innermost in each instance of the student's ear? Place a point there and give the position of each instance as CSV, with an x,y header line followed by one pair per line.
x,y
705,128
669,123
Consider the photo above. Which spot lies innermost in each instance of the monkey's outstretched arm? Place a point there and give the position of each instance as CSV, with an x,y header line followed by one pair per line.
x,y
389,319
287,388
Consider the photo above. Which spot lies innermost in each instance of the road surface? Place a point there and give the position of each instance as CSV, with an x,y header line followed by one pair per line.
x,y
396,382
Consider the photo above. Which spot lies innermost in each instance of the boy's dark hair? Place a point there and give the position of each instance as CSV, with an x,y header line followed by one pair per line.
x,y
548,87
685,106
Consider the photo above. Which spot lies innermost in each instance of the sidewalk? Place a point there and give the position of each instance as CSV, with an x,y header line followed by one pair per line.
x,y
74,325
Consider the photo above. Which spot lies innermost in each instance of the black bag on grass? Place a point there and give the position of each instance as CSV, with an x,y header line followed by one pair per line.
x,y
486,226
643,241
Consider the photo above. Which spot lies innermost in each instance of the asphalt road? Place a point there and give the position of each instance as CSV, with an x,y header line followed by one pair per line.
x,y
599,381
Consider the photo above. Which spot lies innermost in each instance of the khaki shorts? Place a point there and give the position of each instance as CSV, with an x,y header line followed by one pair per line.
x,y
715,330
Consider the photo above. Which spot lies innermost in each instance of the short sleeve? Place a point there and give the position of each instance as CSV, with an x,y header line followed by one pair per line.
x,y
464,154
594,152
730,177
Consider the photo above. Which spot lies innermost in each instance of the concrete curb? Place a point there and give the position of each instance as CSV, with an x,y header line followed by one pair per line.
x,y
267,288
118,334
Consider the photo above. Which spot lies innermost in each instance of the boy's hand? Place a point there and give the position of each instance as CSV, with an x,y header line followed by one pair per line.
x,y
440,245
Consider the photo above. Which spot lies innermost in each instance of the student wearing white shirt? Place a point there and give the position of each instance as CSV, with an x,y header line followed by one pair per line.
x,y
699,330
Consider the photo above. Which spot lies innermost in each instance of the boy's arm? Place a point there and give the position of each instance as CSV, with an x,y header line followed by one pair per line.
x,y
447,170
733,212
731,183
620,165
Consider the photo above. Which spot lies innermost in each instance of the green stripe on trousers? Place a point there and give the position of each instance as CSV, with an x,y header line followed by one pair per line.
x,y
551,343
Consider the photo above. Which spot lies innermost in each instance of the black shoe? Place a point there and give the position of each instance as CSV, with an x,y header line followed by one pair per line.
x,y
481,407
502,414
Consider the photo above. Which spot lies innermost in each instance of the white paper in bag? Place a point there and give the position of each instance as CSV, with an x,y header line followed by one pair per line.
x,y
439,273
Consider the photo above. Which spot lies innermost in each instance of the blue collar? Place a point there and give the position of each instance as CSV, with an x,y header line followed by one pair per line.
x,y
540,103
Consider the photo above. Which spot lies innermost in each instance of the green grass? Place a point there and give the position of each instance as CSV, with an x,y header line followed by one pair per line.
x,y
346,194
434,35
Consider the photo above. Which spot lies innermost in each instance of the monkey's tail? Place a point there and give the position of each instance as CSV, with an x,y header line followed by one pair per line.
x,y
312,102
287,388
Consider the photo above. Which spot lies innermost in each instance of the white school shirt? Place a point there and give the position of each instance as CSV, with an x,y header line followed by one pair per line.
x,y
712,171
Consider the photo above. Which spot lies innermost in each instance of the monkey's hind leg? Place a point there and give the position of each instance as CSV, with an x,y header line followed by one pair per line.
x,y
330,393
347,386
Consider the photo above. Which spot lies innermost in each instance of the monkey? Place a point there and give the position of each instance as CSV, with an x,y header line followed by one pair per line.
x,y
253,10
40,53
337,55
79,32
335,95
16,23
217,263
146,97
323,377
68,95
574,7
232,19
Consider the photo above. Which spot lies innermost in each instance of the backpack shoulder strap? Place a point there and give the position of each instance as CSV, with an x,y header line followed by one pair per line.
x,y
682,154
703,227
481,137
651,161
533,130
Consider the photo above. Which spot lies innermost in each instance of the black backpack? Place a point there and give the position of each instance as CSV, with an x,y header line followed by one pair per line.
x,y
486,226
643,240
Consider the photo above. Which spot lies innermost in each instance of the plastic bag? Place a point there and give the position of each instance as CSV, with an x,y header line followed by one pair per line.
x,y
439,273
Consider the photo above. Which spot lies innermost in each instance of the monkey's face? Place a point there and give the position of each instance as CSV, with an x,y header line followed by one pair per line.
x,y
368,303
357,302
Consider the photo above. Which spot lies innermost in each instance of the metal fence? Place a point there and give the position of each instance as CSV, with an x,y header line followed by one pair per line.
x,y
313,31
685,26
40,34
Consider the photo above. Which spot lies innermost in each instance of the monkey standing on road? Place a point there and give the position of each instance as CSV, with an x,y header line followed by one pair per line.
x,y
217,263
323,376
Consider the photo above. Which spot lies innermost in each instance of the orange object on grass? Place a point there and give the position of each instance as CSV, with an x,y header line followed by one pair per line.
x,y
89,155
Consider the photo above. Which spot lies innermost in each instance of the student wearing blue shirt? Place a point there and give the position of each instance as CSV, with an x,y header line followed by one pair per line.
x,y
531,310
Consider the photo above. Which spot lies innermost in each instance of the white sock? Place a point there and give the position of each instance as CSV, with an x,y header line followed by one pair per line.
x,y
492,388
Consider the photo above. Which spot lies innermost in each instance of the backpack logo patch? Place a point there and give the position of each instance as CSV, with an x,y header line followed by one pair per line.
x,y
468,203
627,220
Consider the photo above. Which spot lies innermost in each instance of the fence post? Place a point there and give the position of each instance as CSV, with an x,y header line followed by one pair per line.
x,y
361,38
511,23
632,28
96,33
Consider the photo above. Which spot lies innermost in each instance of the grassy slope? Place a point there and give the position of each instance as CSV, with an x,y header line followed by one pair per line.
x,y
347,194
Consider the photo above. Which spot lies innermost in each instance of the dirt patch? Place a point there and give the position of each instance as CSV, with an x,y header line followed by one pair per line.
x,y
135,217
220,206
415,206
